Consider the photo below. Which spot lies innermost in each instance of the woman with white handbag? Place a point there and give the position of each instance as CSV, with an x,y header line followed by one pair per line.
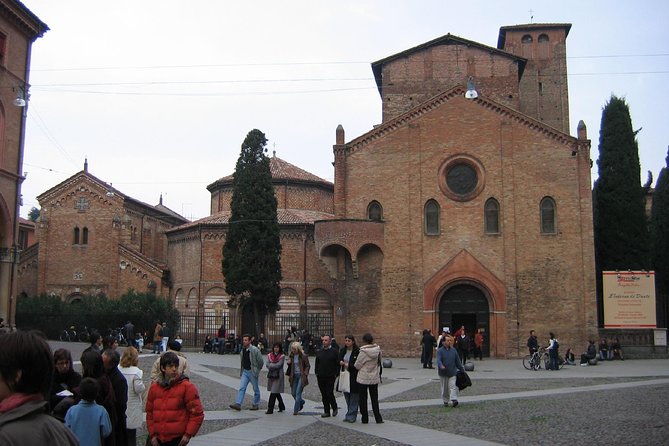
x,y
347,377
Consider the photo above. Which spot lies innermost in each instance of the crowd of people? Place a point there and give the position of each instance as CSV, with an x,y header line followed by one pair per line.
x,y
355,371
605,350
229,343
44,400
466,346
43,397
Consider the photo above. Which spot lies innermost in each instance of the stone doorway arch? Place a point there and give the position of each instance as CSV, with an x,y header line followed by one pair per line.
x,y
464,268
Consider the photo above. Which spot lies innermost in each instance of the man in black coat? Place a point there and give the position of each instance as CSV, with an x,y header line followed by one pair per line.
x,y
327,369
111,358
129,332
428,343
532,342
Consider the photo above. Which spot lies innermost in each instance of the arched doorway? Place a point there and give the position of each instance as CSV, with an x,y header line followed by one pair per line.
x,y
465,304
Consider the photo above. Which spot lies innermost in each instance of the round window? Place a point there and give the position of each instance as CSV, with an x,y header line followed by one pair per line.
x,y
461,178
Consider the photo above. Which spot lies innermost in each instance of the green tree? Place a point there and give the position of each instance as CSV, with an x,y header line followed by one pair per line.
x,y
33,214
252,250
620,225
659,229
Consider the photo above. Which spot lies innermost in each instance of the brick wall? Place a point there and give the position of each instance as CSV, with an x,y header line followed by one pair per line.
x,y
289,195
415,78
543,87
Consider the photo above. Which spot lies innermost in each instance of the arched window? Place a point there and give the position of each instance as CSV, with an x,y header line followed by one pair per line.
x,y
526,39
375,211
547,209
84,236
491,216
76,236
431,217
543,38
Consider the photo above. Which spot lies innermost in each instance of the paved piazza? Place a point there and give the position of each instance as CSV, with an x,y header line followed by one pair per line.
x,y
617,402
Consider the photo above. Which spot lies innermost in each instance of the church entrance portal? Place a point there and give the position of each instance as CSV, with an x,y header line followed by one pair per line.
x,y
466,305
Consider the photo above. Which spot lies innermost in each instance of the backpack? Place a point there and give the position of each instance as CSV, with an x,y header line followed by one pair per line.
x,y
556,344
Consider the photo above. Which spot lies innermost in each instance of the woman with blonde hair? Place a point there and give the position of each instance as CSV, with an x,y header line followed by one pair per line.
x,y
136,388
298,374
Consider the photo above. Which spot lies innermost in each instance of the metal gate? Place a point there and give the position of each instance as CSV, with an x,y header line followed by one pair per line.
x,y
195,326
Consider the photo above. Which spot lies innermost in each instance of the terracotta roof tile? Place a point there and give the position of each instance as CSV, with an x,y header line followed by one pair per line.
x,y
285,217
280,170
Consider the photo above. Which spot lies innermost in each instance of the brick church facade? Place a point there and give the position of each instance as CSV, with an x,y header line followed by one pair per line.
x,y
453,211
473,212
94,240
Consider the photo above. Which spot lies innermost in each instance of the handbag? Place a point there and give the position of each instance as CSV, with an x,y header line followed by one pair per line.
x,y
273,374
462,380
344,382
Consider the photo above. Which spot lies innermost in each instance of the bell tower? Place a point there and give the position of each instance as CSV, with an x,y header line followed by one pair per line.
x,y
544,94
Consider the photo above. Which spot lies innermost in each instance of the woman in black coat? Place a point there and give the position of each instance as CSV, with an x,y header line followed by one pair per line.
x,y
65,379
347,357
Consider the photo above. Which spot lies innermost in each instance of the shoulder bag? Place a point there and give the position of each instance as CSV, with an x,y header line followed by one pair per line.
x,y
343,383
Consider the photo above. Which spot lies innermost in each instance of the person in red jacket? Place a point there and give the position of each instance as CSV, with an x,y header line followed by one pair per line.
x,y
173,409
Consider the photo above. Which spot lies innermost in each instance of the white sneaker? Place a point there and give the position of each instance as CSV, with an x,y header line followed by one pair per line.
x,y
585,364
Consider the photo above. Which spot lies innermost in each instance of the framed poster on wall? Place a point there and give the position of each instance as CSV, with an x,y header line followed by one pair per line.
x,y
629,299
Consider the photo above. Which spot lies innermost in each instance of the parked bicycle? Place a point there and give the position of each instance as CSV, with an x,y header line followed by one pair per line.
x,y
69,334
117,334
85,334
539,360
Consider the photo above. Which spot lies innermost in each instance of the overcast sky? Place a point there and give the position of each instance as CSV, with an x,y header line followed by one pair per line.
x,y
159,95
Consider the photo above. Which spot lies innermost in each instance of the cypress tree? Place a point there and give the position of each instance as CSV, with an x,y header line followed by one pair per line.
x,y
252,249
659,229
620,223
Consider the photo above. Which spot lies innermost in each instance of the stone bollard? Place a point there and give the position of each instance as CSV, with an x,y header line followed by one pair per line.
x,y
387,364
469,367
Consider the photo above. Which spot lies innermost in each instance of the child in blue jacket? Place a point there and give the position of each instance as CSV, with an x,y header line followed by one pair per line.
x,y
88,420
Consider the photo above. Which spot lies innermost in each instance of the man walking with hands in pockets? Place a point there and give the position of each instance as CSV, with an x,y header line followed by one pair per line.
x,y
448,365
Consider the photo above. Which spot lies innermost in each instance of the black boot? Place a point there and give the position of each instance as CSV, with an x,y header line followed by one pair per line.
x,y
270,404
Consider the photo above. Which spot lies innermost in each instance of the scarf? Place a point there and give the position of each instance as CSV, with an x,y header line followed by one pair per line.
x,y
274,357
18,399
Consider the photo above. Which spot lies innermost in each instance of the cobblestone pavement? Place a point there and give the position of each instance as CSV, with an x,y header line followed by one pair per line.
x,y
612,403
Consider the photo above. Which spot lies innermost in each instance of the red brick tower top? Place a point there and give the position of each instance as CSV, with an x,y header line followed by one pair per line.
x,y
543,86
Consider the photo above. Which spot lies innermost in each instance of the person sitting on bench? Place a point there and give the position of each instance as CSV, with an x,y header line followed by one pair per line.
x,y
616,350
591,353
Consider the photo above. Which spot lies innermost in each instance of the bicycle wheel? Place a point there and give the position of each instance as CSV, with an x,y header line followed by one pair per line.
x,y
64,336
545,361
561,362
527,362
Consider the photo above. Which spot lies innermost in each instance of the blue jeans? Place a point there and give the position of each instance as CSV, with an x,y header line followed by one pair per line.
x,y
553,360
352,401
296,391
248,377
